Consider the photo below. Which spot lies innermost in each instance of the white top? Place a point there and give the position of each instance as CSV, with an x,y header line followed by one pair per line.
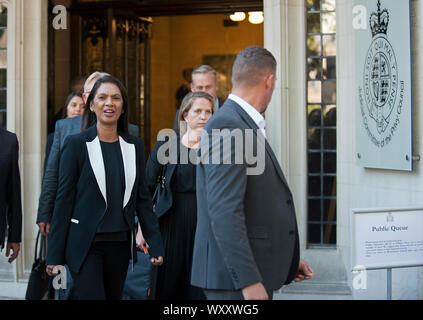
x,y
252,112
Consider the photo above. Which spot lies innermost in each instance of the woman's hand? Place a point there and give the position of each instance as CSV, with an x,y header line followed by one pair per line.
x,y
142,245
157,261
140,241
50,270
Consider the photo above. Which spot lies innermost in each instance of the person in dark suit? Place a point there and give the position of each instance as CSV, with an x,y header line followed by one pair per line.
x,y
246,243
10,195
102,186
184,88
203,79
63,129
177,209
74,107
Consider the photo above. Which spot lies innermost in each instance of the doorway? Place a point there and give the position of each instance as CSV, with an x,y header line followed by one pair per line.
x,y
183,42
147,45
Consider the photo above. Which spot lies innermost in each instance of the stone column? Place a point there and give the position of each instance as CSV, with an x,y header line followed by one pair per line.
x,y
286,119
284,36
26,116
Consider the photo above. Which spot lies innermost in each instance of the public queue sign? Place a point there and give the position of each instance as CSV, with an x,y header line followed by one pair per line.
x,y
383,87
387,238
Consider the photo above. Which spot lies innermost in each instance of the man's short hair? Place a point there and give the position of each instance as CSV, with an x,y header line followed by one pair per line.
x,y
251,65
204,69
96,75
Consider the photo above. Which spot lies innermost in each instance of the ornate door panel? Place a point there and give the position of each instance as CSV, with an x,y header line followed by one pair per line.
x,y
117,42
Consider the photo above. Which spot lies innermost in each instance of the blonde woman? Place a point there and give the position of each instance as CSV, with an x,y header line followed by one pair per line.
x,y
177,209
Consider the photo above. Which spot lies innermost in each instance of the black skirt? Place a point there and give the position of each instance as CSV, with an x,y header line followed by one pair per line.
x,y
177,227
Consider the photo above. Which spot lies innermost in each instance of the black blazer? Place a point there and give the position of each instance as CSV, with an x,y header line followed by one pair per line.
x,y
81,200
10,189
154,168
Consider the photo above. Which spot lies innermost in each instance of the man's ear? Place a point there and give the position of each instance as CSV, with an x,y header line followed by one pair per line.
x,y
269,80
191,86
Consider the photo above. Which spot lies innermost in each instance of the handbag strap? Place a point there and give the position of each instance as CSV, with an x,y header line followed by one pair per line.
x,y
161,178
163,175
36,245
41,242
160,183
43,249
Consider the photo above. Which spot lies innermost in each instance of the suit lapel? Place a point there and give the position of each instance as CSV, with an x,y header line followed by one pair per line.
x,y
250,122
129,164
95,156
275,162
96,160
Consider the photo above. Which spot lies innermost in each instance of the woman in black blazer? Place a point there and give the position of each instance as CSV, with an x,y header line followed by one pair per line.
x,y
102,186
177,207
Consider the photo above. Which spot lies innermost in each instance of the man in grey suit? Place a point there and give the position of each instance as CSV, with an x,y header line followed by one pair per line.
x,y
203,78
246,244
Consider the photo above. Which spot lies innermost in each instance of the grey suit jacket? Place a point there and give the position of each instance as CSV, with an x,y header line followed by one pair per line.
x,y
63,129
246,224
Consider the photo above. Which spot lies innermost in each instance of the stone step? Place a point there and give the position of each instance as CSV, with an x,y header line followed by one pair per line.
x,y
316,288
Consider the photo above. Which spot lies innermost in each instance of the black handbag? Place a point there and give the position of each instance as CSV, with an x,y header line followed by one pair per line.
x,y
38,280
140,282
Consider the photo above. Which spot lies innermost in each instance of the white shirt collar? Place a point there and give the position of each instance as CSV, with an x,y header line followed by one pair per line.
x,y
252,112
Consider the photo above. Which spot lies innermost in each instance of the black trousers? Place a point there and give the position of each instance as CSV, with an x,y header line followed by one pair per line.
x,y
103,273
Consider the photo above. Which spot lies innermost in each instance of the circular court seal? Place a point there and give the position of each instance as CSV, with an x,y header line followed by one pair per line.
x,y
380,81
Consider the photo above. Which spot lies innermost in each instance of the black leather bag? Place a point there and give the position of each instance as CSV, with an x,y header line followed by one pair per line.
x,y
140,283
38,280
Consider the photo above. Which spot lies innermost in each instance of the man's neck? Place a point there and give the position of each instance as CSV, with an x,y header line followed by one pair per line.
x,y
251,96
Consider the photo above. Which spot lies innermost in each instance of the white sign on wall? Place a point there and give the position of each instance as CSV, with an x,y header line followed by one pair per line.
x,y
387,238
383,89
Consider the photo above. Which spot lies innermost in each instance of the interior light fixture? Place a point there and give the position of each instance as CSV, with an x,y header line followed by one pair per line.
x,y
237,16
255,17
